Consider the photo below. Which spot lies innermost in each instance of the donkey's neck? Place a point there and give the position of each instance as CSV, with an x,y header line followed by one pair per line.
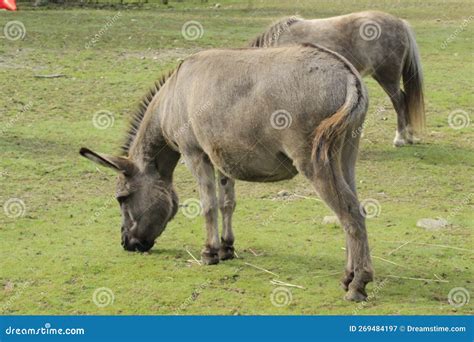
x,y
147,146
150,149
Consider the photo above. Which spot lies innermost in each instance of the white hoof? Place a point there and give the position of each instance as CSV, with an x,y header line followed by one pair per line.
x,y
399,140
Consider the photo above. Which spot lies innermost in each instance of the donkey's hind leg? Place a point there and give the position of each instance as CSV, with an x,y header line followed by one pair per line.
x,y
391,85
329,181
227,206
349,156
203,170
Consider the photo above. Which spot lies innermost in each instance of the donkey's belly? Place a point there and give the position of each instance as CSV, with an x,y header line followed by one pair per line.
x,y
255,167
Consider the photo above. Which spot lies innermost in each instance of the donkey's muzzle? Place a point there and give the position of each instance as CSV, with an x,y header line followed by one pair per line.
x,y
135,245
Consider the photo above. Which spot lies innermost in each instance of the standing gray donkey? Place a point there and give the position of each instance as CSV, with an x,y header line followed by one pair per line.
x,y
377,44
259,115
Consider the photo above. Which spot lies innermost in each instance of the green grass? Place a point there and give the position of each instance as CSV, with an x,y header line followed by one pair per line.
x,y
67,243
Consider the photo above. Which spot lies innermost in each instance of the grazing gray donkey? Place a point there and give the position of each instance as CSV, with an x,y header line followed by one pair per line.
x,y
377,44
258,115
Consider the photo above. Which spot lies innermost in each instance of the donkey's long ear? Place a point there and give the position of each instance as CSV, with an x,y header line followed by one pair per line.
x,y
119,164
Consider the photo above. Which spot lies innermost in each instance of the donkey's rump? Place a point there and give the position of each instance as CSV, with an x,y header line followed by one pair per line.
x,y
266,105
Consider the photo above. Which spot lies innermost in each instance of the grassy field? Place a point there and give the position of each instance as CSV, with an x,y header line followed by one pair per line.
x,y
62,254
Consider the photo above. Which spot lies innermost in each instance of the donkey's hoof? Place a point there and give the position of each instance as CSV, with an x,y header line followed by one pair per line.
x,y
347,280
399,142
209,257
413,140
356,295
226,252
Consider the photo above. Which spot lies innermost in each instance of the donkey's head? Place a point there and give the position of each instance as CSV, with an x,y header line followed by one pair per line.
x,y
147,201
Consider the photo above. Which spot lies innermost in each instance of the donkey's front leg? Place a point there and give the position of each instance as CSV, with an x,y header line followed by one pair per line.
x,y
226,206
202,169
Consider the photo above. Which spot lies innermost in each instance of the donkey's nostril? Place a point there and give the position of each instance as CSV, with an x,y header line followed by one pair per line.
x,y
143,246
133,244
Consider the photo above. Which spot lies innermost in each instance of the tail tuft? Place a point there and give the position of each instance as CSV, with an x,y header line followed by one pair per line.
x,y
332,129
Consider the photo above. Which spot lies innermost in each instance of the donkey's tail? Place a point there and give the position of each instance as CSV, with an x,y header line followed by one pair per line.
x,y
413,83
331,131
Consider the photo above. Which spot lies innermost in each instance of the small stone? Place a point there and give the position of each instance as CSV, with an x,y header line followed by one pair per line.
x,y
8,286
330,220
432,224
283,193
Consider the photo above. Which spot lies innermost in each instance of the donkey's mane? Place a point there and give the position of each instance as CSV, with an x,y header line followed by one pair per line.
x,y
271,35
139,114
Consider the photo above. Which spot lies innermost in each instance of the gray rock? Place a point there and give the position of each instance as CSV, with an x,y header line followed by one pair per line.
x,y
330,220
432,224
283,193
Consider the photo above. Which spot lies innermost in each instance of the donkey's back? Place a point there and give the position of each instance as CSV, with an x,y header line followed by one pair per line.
x,y
254,112
364,38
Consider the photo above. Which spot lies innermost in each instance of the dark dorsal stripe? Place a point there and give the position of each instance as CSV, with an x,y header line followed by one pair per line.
x,y
271,35
137,117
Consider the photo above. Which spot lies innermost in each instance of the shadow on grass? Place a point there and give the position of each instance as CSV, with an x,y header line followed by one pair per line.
x,y
426,153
